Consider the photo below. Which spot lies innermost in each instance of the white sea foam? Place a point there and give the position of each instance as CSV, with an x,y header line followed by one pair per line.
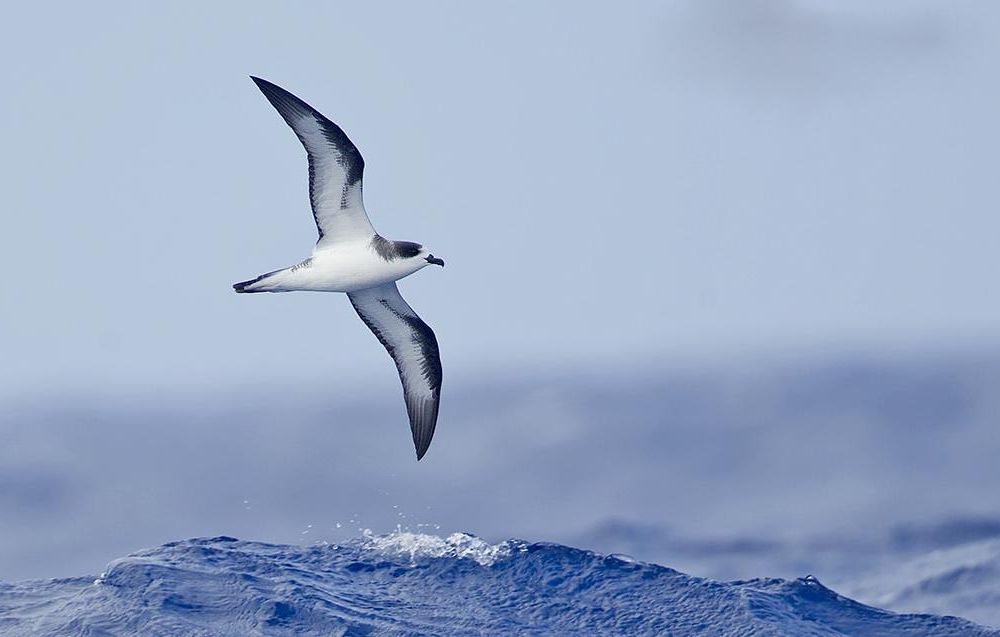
x,y
457,545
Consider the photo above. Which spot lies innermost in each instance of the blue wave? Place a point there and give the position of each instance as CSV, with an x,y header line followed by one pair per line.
x,y
410,584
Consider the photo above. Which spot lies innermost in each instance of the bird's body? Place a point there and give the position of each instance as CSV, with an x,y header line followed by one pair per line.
x,y
346,266
352,257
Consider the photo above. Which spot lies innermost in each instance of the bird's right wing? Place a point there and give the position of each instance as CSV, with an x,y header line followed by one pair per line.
x,y
335,168
413,347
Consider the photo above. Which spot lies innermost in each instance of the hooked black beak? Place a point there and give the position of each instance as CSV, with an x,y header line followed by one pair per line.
x,y
432,259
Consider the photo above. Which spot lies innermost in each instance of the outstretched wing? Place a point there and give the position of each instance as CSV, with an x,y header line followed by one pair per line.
x,y
413,347
335,167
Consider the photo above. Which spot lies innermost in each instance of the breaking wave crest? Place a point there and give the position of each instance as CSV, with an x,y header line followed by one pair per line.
x,y
413,584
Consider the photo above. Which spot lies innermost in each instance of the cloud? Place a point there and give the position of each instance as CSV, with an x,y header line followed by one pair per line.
x,y
800,47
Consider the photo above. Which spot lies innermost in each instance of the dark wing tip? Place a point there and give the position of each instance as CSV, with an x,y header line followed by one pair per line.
x,y
269,89
264,85
423,420
286,103
422,440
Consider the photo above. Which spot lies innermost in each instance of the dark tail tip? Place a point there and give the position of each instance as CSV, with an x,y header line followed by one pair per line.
x,y
241,287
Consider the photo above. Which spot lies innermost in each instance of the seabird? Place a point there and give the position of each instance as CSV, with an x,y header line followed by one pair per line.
x,y
351,257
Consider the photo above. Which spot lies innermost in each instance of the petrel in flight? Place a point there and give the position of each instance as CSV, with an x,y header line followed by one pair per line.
x,y
351,257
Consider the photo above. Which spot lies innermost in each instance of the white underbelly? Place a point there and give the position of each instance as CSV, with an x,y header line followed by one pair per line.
x,y
346,271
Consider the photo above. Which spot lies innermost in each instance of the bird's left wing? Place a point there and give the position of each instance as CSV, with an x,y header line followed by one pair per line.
x,y
335,168
413,347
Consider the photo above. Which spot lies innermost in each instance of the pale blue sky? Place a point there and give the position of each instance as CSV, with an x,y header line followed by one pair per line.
x,y
608,182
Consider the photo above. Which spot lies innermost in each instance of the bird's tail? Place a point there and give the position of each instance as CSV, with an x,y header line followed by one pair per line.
x,y
254,285
242,286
